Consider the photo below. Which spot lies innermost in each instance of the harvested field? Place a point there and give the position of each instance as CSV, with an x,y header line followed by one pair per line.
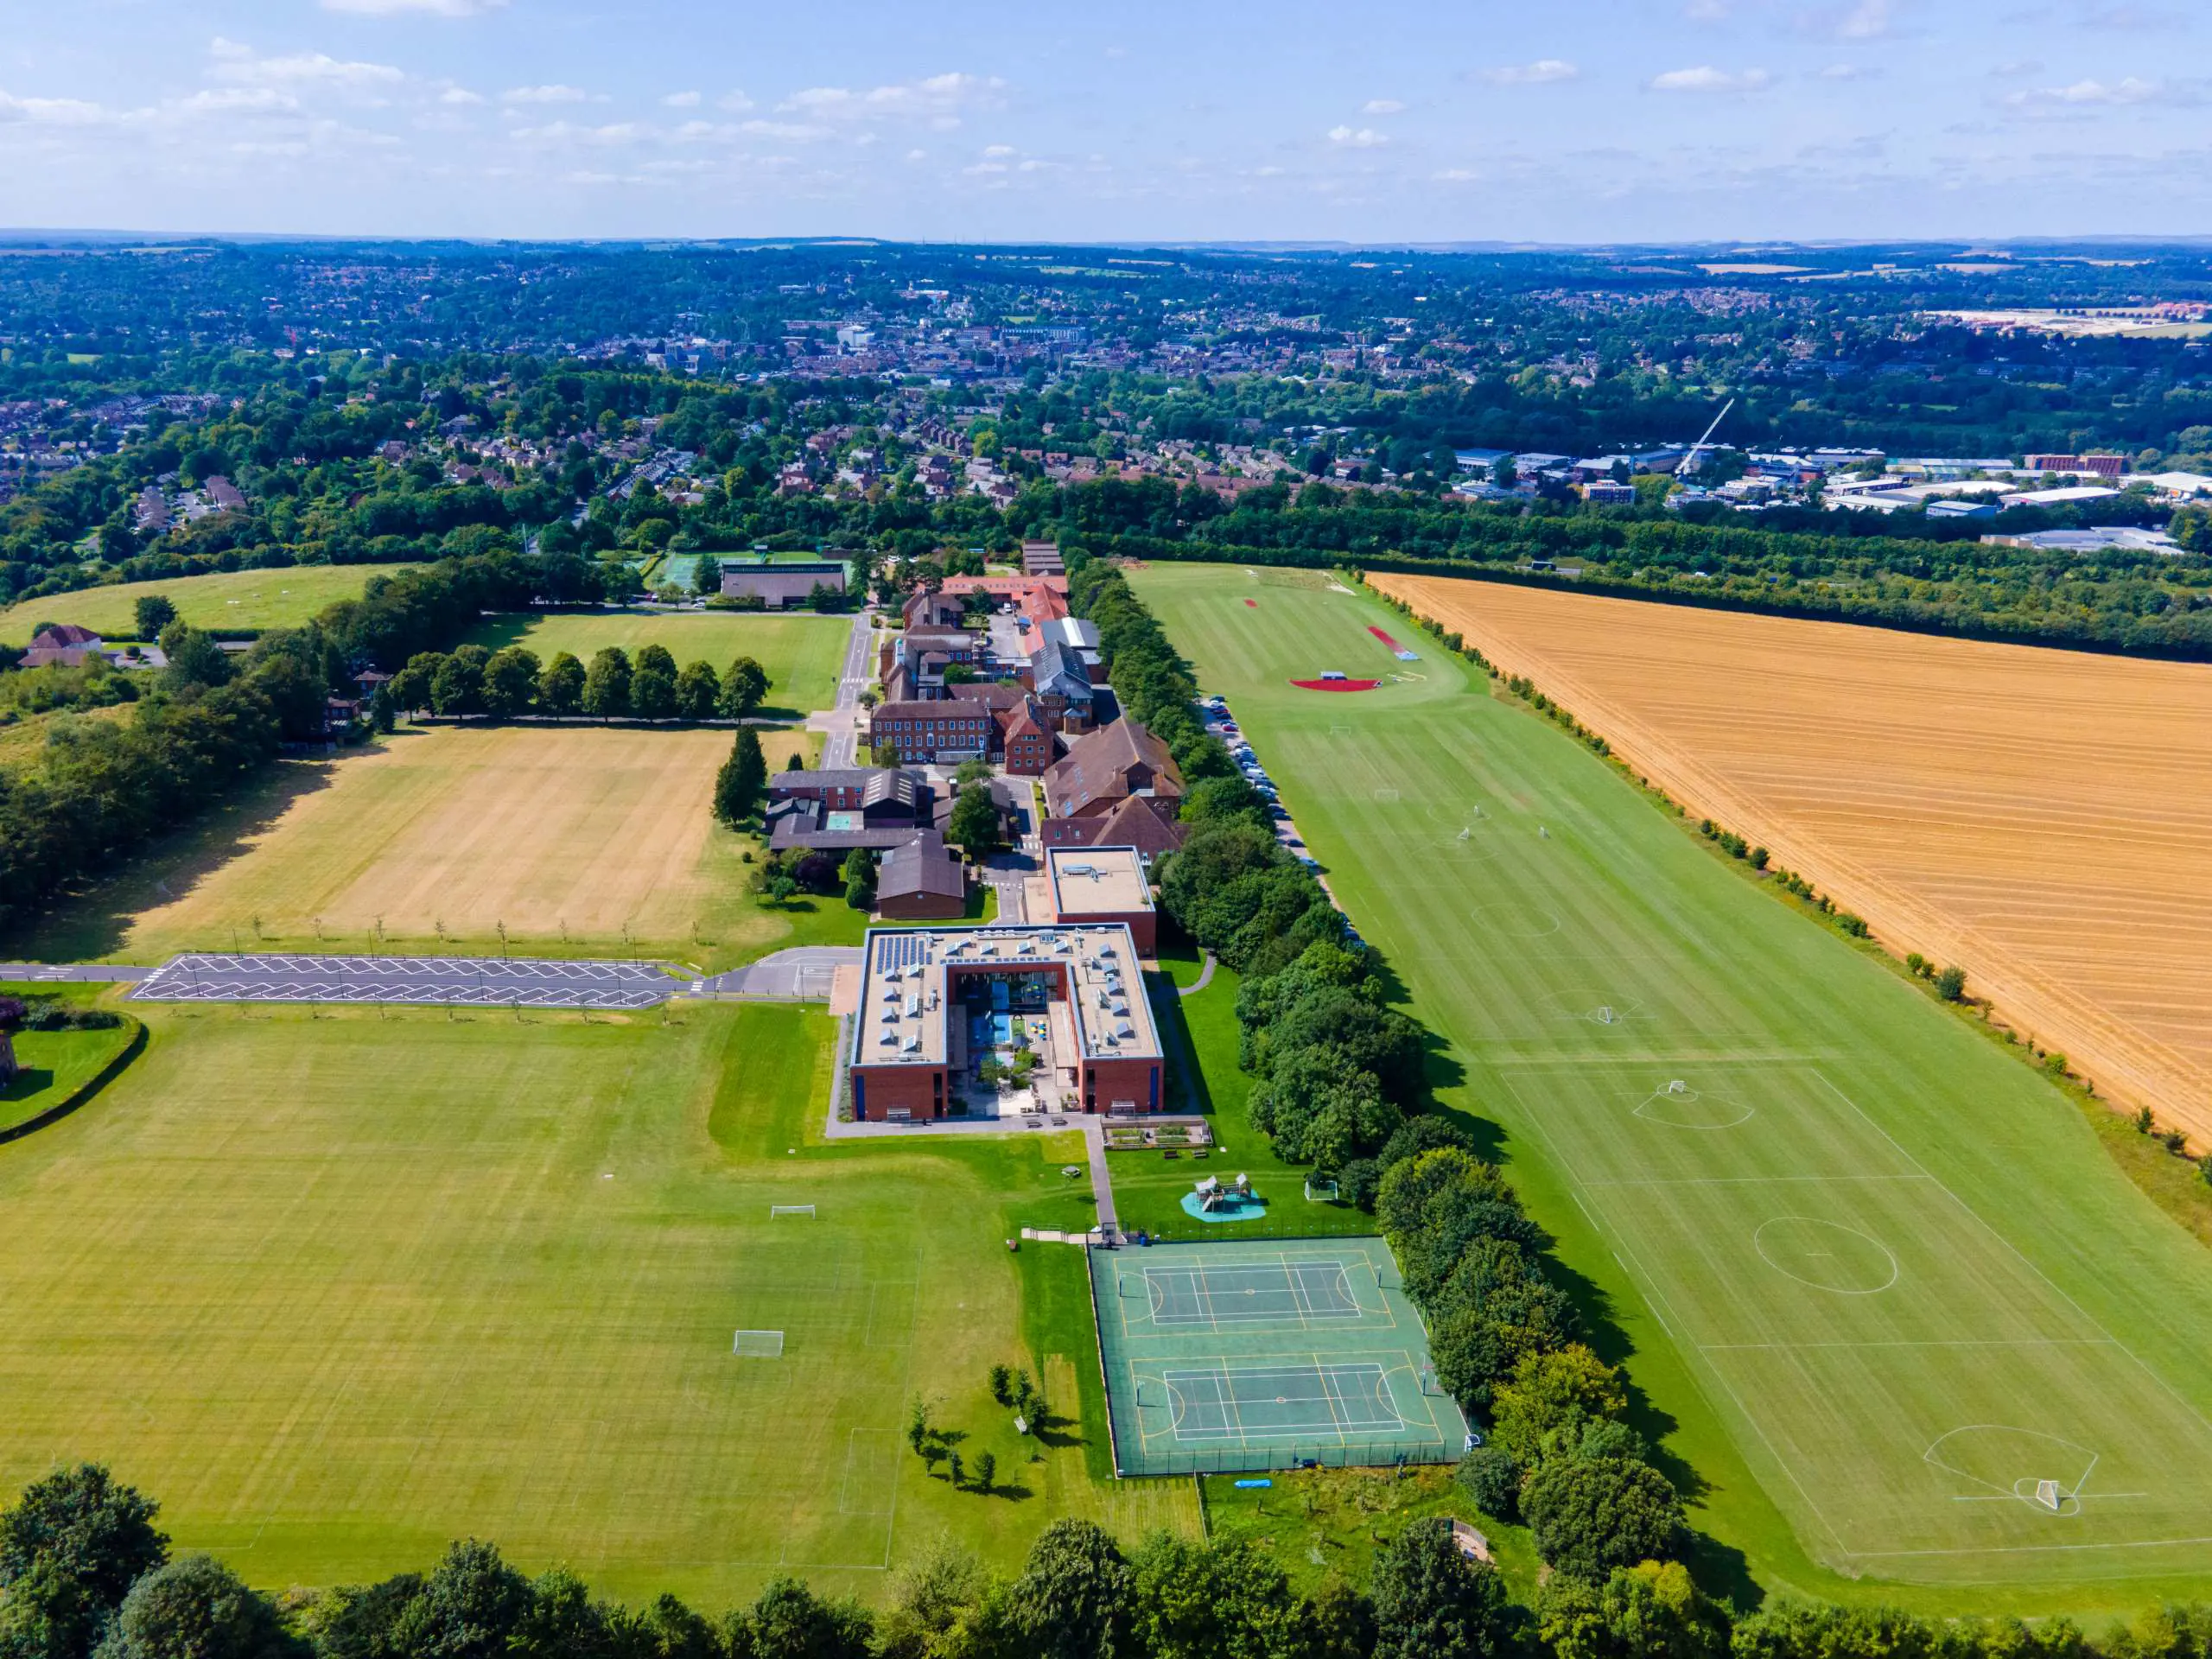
x,y
566,837
2042,817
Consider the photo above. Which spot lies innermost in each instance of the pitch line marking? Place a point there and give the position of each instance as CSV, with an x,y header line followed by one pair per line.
x,y
2094,1323
1650,1285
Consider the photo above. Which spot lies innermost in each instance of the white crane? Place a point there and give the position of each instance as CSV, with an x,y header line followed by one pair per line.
x,y
1689,461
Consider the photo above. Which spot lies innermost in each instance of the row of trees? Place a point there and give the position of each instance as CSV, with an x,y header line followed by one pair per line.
x,y
86,1570
475,681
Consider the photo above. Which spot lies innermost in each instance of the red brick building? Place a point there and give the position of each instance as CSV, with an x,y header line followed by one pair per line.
x,y
937,1003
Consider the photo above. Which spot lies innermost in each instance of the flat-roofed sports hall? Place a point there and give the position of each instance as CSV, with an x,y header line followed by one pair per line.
x,y
1265,1353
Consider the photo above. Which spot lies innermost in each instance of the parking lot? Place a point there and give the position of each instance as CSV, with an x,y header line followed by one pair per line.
x,y
464,980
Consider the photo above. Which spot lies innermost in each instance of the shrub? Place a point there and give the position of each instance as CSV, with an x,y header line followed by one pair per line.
x,y
1491,1478
1951,984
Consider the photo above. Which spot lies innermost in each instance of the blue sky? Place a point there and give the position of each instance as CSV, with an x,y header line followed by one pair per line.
x,y
1562,120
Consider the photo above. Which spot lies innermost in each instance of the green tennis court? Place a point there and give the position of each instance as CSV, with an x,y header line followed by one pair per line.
x,y
1265,1353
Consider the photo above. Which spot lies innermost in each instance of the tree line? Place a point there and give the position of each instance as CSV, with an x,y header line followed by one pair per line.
x,y
476,682
86,1572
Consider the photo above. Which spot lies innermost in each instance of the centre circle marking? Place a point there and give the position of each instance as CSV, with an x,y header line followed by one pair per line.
x,y
1828,1247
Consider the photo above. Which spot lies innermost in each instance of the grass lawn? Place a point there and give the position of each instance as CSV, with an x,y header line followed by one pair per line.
x,y
1323,1524
337,1289
239,598
802,655
577,840
54,1065
1873,1278
23,740
1149,1185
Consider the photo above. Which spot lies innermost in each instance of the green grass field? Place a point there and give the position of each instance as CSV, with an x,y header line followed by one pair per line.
x,y
53,1064
338,1289
801,654
1873,1278
240,599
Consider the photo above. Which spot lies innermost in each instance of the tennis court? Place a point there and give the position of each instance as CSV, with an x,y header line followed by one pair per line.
x,y
1263,1354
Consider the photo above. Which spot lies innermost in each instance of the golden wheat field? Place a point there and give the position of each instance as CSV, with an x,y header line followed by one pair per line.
x,y
577,835
2044,818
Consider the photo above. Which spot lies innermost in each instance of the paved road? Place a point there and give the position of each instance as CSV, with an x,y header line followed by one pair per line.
x,y
97,972
1205,978
840,746
799,975
1101,1184
493,982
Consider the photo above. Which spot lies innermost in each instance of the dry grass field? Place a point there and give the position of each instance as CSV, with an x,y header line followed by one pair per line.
x,y
571,838
2042,817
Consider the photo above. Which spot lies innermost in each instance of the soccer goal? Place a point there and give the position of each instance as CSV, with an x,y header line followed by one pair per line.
x,y
759,1344
1151,1396
1429,1385
1321,1190
1135,1286
2048,1495
775,1209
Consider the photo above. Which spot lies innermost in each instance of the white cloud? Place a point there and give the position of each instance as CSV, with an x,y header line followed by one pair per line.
x,y
940,98
1382,106
1849,71
2117,92
1542,72
918,154
49,112
458,96
417,8
681,101
734,102
1867,20
1707,79
1454,176
1364,138
566,132
798,131
553,94
998,149
234,62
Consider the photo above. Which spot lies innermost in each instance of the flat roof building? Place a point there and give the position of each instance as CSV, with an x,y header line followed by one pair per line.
x,y
937,1004
1087,885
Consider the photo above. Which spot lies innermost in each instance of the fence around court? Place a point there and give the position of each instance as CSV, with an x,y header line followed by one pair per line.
x,y
1120,1364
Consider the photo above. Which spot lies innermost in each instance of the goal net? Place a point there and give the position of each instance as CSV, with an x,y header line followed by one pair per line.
x,y
1320,1189
775,1209
759,1344
1151,1393
2047,1494
1429,1385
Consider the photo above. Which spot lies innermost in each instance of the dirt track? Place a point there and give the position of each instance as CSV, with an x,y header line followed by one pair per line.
x,y
2042,817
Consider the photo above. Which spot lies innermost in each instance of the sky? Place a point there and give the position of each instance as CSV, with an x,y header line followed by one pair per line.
x,y
1562,121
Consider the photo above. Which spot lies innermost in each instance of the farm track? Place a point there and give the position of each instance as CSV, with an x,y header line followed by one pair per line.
x,y
2042,817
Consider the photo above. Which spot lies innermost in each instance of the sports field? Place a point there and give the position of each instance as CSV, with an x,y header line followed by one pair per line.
x,y
1878,1280
338,1289
2043,818
574,839
800,654
239,599
1262,1354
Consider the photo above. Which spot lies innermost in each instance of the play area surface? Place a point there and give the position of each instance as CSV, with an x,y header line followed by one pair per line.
x,y
1264,1354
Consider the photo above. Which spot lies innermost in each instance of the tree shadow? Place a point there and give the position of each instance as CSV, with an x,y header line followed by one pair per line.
x,y
95,920
30,1080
